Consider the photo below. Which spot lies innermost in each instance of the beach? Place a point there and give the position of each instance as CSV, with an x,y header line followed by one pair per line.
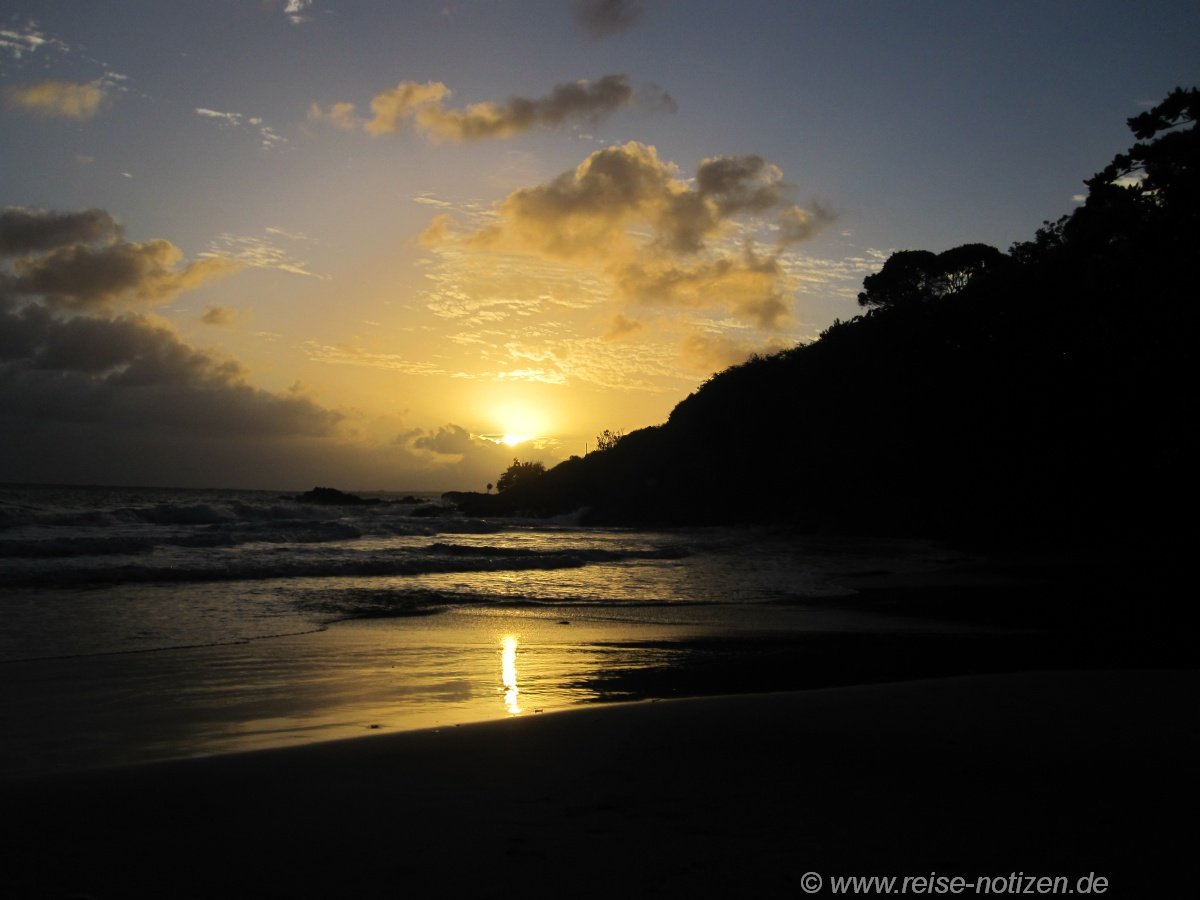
x,y
215,694
1049,774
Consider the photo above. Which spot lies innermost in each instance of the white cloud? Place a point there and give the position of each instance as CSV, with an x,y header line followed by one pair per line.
x,y
294,10
268,136
20,41
260,253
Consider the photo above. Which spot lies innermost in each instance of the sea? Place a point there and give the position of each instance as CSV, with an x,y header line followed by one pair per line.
x,y
149,623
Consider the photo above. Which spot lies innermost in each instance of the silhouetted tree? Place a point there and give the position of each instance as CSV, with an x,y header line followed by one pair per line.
x,y
912,276
607,439
489,487
520,475
905,278
959,266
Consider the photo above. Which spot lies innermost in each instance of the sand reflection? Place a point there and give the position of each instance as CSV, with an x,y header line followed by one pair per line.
x,y
508,674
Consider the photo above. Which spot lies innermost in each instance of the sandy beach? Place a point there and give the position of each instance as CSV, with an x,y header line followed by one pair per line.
x,y
1065,773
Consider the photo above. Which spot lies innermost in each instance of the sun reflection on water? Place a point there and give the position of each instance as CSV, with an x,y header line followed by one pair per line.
x,y
508,674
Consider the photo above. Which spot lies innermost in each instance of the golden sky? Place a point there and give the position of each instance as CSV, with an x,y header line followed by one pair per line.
x,y
311,241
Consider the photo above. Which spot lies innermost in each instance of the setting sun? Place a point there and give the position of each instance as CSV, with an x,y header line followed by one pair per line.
x,y
513,439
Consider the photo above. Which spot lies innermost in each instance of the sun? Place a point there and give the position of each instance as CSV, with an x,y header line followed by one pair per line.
x,y
519,423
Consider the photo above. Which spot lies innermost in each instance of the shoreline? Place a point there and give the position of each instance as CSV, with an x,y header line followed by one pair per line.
x,y
1044,772
359,676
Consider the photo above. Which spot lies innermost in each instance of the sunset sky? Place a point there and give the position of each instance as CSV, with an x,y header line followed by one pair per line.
x,y
279,243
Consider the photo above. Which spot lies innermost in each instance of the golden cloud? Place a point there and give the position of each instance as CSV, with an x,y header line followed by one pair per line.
x,y
57,99
659,239
709,352
422,107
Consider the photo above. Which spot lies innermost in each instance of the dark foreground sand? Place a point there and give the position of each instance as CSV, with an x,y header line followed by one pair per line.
x,y
1046,773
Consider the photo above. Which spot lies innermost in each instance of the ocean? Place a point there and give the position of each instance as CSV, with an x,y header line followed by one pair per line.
x,y
144,623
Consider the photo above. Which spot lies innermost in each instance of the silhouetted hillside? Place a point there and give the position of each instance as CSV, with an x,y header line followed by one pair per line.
x,y
1049,390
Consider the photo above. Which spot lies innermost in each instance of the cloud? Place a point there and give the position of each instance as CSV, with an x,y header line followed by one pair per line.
x,y
711,352
133,372
587,212
740,183
57,99
104,277
268,136
476,286
23,40
359,356
422,107
261,253
428,199
457,454
90,392
391,108
605,18
78,261
552,359
797,225
24,231
621,327
220,316
448,440
294,10
339,115
752,287
658,238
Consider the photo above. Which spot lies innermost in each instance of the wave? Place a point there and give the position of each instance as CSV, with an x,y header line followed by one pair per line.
x,y
582,555
438,558
207,537
383,603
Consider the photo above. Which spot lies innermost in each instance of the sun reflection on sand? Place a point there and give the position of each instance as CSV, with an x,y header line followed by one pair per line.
x,y
508,674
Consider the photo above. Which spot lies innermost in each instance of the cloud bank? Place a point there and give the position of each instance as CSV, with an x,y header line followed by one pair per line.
x,y
84,369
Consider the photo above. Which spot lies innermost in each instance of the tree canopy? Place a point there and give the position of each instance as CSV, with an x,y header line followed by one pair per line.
x,y
914,276
520,475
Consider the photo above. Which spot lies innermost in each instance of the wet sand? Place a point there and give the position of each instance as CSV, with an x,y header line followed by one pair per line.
x,y
1064,773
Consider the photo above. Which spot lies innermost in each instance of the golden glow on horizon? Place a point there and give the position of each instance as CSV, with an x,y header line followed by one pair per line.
x,y
508,674
520,423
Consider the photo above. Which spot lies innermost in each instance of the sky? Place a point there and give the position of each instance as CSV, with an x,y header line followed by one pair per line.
x,y
392,246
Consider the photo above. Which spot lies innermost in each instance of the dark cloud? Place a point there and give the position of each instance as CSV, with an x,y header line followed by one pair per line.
x,y
741,183
130,372
24,231
220,316
654,100
86,394
449,439
460,457
82,276
605,18
797,225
